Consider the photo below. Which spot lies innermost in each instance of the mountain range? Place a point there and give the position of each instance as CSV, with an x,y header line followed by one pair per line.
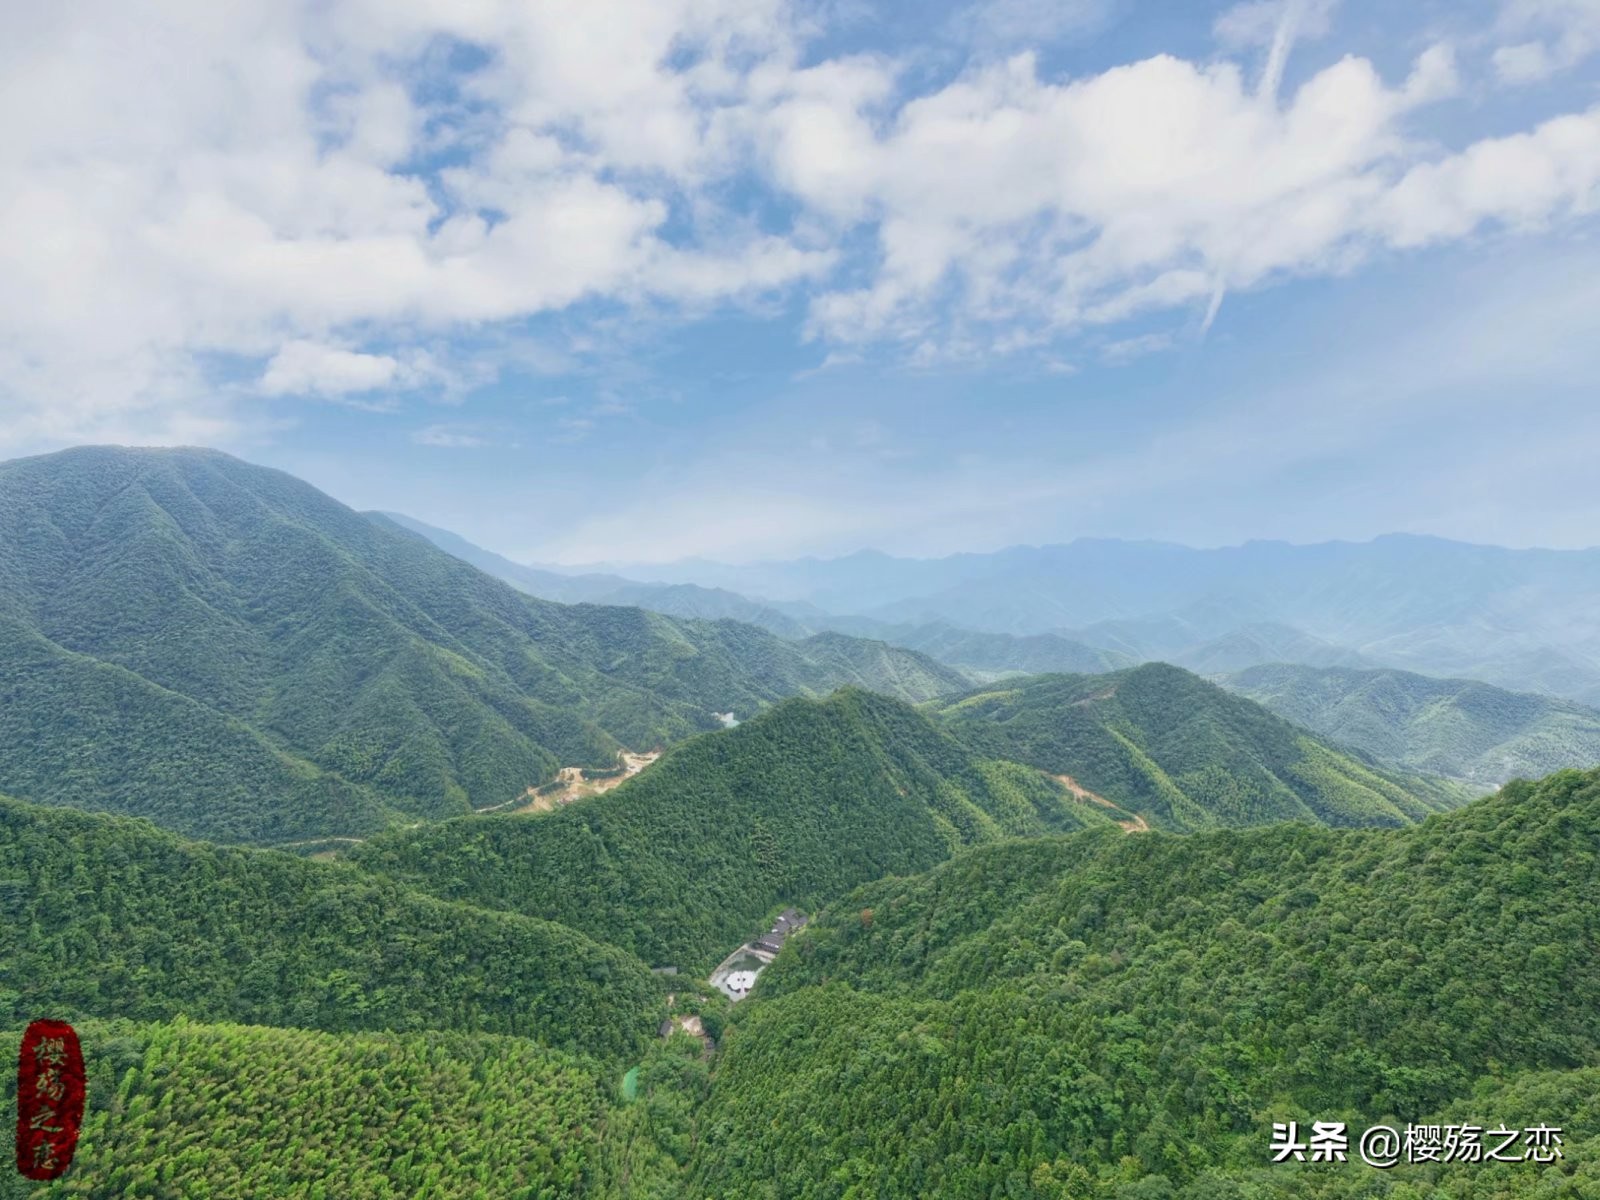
x,y
981,655
226,649
1522,619
1081,927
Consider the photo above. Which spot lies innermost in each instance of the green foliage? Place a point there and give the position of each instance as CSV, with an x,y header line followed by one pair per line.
x,y
1147,1006
109,916
1161,742
650,1142
217,1112
881,667
688,859
226,650
74,730
1458,728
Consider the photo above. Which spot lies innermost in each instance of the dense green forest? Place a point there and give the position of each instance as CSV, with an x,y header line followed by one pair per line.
x,y
812,798
1011,989
1459,728
879,666
224,1112
228,651
109,916
1094,1016
1162,742
1102,1015
685,861
190,1111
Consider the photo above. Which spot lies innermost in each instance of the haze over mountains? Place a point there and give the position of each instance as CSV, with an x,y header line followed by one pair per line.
x,y
1522,619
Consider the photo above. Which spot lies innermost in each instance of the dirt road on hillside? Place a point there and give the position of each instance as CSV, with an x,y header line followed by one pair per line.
x,y
574,786
1136,824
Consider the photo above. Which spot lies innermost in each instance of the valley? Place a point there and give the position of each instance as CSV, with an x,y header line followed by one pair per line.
x,y
364,873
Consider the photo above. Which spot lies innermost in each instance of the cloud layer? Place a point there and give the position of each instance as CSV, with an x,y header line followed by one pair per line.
x,y
211,207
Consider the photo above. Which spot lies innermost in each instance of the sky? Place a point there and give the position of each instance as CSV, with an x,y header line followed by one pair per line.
x,y
637,280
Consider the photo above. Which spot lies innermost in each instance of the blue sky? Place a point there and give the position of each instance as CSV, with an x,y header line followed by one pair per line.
x,y
641,279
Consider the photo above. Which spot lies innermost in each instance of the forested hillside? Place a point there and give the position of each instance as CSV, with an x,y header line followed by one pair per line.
x,y
1008,993
1096,1016
1074,1016
109,916
224,1112
228,651
881,667
1454,727
683,862
990,655
1162,742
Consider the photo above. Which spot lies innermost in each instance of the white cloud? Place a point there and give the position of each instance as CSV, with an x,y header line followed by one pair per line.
x,y
1012,24
190,183
310,369
452,437
1092,200
1566,32
1274,25
188,179
1525,180
1260,22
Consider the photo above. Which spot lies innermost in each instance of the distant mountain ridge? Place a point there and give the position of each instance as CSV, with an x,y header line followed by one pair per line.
x,y
982,655
1458,728
1522,619
673,599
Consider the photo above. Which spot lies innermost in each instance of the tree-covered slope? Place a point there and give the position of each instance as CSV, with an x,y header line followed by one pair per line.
x,y
881,667
1071,1016
109,916
226,649
1458,728
1162,742
988,655
684,862
79,730
225,1111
